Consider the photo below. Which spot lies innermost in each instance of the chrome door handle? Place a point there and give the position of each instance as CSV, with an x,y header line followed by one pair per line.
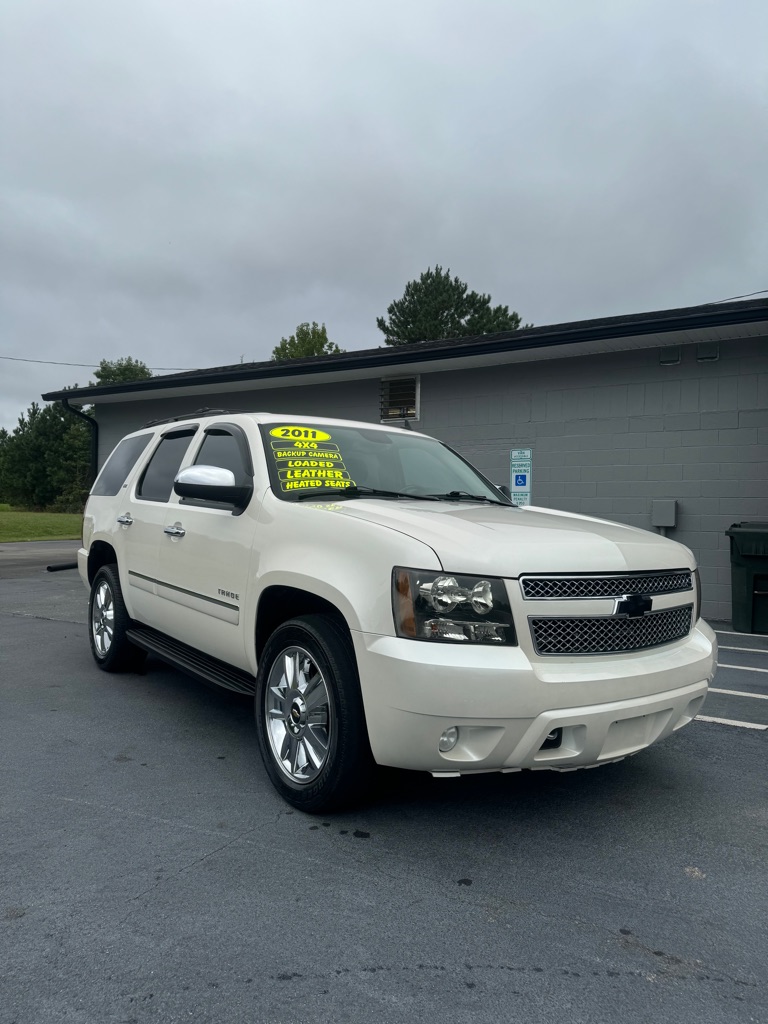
x,y
174,531
125,520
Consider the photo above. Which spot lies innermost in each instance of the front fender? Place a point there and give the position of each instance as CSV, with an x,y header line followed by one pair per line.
x,y
341,559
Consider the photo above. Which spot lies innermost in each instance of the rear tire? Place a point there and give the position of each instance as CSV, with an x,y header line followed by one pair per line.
x,y
108,624
309,715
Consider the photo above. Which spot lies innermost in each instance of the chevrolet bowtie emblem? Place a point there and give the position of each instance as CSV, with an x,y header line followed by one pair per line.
x,y
633,605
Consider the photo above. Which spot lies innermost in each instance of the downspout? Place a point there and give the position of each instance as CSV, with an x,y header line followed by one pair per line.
x,y
91,421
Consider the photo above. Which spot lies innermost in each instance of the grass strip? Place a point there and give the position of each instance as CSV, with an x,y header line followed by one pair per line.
x,y
24,526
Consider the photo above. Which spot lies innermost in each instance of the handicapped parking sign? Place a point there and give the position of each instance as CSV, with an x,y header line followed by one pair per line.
x,y
520,475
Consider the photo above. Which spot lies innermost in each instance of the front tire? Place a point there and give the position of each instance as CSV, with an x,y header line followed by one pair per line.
x,y
108,624
309,715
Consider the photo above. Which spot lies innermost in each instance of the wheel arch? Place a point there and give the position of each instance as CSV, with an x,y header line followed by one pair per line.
x,y
279,603
100,554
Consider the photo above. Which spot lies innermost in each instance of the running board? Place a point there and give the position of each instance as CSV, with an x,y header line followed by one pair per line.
x,y
191,661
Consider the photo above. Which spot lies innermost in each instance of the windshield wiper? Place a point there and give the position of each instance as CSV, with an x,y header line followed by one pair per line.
x,y
466,496
364,492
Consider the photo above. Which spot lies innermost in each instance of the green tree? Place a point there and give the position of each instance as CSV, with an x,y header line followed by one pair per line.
x,y
309,340
121,371
45,461
439,306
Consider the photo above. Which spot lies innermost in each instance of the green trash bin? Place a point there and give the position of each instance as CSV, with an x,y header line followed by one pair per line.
x,y
749,576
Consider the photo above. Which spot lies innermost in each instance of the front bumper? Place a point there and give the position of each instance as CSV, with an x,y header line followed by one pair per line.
x,y
505,705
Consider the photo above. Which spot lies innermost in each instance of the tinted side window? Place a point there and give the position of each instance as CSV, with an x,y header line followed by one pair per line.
x,y
157,482
119,464
225,451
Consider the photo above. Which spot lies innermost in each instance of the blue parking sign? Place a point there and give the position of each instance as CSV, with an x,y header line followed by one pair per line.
x,y
520,479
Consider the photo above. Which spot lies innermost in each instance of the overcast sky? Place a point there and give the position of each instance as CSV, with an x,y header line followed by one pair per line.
x,y
184,181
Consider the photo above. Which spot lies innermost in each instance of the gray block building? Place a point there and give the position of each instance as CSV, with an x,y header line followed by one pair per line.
x,y
658,420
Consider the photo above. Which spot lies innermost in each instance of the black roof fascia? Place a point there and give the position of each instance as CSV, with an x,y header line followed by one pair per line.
x,y
638,324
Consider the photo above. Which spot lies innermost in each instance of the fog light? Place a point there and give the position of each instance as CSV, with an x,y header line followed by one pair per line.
x,y
553,740
448,740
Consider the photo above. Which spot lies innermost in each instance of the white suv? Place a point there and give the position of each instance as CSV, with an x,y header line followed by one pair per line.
x,y
385,603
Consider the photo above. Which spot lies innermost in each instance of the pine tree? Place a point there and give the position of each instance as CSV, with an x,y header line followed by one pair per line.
x,y
439,306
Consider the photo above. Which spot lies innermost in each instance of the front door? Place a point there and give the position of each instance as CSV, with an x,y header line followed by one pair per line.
x,y
206,557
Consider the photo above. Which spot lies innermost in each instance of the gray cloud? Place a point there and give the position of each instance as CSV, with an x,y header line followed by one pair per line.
x,y
185,182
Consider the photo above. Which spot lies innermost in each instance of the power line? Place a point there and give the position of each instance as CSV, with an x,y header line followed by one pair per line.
x,y
763,291
182,369
87,366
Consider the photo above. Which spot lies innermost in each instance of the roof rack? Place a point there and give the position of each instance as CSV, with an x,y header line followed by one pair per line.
x,y
190,415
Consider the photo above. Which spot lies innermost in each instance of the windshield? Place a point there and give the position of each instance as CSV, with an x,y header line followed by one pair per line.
x,y
309,460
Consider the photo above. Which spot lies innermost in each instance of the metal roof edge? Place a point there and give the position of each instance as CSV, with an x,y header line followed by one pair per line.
x,y
633,325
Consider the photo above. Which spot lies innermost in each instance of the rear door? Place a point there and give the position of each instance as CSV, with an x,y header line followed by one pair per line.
x,y
108,515
143,520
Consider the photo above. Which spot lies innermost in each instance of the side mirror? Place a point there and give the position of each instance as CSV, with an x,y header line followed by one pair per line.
x,y
211,483
505,491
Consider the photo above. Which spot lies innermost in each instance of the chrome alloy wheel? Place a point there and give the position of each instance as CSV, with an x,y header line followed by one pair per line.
x,y
103,619
299,715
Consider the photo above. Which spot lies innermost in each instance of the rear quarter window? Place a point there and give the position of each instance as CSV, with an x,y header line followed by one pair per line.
x,y
119,464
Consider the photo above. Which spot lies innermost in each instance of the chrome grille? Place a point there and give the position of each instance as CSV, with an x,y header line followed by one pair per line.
x,y
609,634
537,588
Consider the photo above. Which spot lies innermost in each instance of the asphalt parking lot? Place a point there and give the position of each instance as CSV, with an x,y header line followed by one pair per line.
x,y
150,873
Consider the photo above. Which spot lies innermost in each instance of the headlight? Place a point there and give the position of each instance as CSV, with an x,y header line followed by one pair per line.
x,y
443,606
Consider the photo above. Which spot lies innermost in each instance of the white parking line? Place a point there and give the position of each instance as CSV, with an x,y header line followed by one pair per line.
x,y
742,668
740,693
728,721
748,650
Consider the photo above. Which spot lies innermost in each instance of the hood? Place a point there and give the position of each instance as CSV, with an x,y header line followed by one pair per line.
x,y
507,541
